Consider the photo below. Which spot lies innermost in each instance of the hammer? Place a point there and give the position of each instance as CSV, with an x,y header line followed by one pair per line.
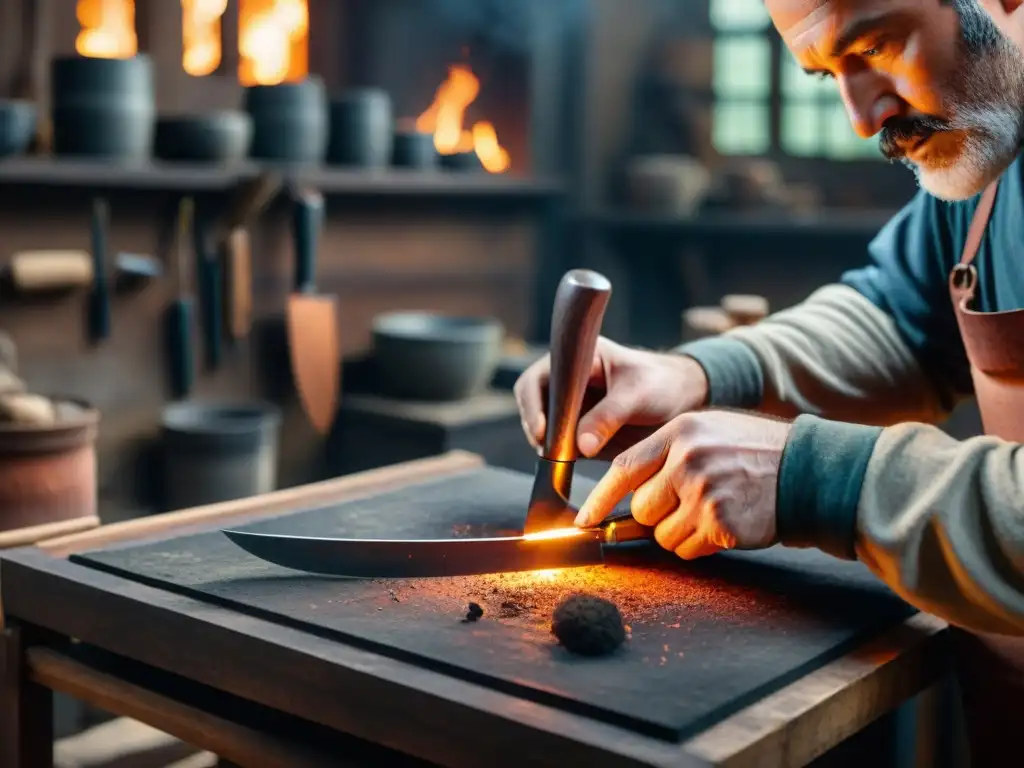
x,y
580,303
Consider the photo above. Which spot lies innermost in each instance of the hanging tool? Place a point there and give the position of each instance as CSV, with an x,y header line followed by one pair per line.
x,y
99,296
550,540
40,271
313,340
210,285
179,313
63,270
235,250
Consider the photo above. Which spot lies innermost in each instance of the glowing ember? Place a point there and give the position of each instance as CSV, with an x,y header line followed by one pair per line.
x,y
273,41
201,49
557,533
444,119
652,597
107,29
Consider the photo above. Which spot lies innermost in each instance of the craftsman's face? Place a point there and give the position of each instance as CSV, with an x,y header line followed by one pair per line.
x,y
936,78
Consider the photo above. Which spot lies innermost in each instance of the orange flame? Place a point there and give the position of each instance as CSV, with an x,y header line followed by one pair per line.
x,y
445,116
107,29
556,533
201,48
273,41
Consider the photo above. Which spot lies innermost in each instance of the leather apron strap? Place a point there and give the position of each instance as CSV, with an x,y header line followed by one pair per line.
x,y
963,278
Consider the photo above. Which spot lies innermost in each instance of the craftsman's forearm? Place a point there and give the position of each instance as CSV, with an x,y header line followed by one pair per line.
x,y
835,355
942,522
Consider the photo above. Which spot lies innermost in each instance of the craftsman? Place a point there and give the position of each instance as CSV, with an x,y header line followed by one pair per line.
x,y
849,383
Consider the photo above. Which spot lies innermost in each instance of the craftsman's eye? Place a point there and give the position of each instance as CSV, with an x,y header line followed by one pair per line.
x,y
879,46
823,75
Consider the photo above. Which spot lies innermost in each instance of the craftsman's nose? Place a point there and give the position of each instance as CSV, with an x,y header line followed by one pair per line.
x,y
870,100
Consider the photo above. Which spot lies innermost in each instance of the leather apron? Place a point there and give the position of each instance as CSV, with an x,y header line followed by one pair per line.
x,y
990,668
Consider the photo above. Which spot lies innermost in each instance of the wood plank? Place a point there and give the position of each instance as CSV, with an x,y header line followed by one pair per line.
x,y
445,720
804,720
386,702
325,492
225,738
328,491
32,534
26,708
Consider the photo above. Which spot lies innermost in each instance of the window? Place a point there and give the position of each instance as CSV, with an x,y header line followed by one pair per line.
x,y
811,120
742,82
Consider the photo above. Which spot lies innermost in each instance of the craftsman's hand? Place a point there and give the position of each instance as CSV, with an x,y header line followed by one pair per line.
x,y
631,393
706,482
1008,16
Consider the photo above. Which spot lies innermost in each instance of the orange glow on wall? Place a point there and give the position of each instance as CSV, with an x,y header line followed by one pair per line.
x,y
107,29
273,41
201,46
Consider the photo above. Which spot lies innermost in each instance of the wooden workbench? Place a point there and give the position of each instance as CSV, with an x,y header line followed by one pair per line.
x,y
261,694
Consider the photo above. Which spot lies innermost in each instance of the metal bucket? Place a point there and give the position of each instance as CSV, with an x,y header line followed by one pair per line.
x,y
218,451
290,121
103,107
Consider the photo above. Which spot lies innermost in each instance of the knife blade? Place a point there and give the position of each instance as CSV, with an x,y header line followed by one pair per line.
x,y
417,558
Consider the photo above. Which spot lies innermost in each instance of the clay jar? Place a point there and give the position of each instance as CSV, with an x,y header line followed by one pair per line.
x,y
48,472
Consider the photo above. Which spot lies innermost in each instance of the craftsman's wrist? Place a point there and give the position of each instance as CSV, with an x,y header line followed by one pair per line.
x,y
734,375
820,479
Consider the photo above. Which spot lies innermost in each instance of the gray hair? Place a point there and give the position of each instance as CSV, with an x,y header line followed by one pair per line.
x,y
980,33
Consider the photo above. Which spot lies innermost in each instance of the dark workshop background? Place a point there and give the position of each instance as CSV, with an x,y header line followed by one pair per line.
x,y
671,144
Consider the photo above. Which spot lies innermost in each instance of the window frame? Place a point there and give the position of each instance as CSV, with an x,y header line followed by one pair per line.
x,y
777,100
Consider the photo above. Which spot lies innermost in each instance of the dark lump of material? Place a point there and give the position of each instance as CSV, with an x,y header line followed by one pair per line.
x,y
588,625
474,612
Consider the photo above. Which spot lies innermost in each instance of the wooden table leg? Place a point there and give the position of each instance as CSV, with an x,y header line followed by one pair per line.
x,y
26,708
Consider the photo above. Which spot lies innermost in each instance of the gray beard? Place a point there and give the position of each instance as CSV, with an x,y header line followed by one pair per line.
x,y
988,106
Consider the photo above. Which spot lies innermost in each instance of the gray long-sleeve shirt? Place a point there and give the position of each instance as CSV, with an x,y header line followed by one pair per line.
x,y
868,366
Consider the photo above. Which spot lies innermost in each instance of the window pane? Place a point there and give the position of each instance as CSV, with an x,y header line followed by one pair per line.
x,y
802,128
798,84
741,66
841,142
738,14
741,128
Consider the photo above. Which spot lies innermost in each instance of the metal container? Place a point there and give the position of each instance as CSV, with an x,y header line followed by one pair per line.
x,y
103,107
17,126
427,356
218,451
362,129
214,137
290,121
412,149
48,473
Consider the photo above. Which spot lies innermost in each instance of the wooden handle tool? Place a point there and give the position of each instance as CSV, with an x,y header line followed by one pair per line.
x,y
179,315
53,270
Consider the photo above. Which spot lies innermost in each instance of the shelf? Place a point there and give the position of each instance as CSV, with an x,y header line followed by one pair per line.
x,y
831,223
210,178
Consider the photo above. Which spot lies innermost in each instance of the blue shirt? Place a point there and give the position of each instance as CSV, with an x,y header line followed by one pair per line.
x,y
911,259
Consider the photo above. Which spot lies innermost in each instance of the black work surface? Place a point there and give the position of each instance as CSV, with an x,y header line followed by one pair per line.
x,y
707,637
